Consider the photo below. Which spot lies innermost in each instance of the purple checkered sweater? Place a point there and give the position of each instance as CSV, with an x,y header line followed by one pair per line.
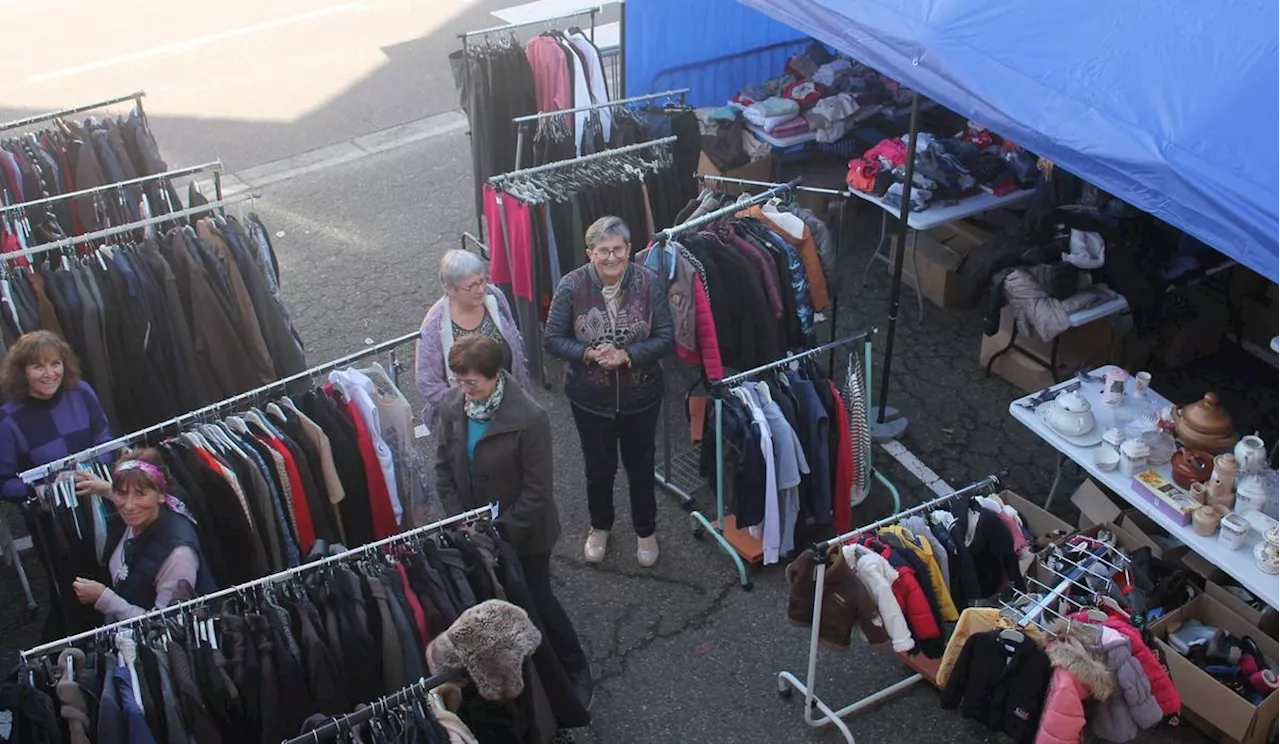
x,y
34,432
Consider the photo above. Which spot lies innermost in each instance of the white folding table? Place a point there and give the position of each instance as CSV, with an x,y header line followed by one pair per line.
x,y
1239,564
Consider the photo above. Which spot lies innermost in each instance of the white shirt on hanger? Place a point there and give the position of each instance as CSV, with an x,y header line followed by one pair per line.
x,y
595,79
359,388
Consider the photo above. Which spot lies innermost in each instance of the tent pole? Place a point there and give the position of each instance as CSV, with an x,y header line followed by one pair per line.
x,y
892,426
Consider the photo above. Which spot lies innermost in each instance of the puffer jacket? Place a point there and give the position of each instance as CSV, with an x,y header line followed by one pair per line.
x,y
1077,676
924,551
911,598
1162,687
878,577
1133,708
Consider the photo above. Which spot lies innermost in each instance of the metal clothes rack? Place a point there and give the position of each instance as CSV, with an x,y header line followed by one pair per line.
x,y
38,473
480,245
112,232
788,682
136,97
465,37
521,120
717,528
335,728
465,517
215,167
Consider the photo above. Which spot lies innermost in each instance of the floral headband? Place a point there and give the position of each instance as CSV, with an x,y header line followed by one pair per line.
x,y
147,468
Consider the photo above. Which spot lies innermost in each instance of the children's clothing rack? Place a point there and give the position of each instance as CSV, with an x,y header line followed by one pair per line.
x,y
466,37
214,167
664,474
39,473
702,525
679,93
335,728
136,97
466,517
787,681
112,232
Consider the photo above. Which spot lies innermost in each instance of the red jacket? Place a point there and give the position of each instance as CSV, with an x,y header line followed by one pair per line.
x,y
911,598
708,351
842,493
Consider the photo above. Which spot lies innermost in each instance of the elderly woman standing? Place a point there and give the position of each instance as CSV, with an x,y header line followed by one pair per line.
x,y
611,321
470,306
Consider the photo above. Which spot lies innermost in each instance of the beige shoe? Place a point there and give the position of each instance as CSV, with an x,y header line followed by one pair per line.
x,y
597,542
647,551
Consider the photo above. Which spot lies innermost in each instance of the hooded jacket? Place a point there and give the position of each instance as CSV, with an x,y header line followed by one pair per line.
x,y
923,550
845,600
1132,708
910,595
1162,687
878,577
1078,675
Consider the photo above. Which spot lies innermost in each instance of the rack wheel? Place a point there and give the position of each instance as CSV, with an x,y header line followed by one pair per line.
x,y
748,586
786,692
699,533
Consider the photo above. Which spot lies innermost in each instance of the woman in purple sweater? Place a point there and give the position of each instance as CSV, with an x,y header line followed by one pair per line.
x,y
50,412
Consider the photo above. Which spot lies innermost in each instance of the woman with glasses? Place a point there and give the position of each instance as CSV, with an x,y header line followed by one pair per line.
x,y
154,554
470,306
611,321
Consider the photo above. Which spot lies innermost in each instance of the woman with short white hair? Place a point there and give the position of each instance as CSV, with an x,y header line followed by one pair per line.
x,y
470,305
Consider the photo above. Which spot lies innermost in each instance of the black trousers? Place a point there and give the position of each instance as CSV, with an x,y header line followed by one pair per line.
x,y
560,632
602,438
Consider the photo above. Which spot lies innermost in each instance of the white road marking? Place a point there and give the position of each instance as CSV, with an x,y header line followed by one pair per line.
x,y
190,44
917,468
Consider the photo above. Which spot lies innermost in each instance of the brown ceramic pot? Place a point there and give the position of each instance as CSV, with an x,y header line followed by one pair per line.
x,y
1191,466
1205,425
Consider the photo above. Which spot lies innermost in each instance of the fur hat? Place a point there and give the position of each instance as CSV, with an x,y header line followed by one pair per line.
x,y
490,642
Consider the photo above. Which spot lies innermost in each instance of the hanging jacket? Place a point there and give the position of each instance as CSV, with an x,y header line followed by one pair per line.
x,y
691,318
808,254
878,577
1077,676
924,551
972,621
991,547
1001,683
911,598
1132,708
1162,687
845,601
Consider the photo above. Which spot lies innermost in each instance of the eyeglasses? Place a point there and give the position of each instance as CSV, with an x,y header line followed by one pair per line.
x,y
473,286
470,384
602,252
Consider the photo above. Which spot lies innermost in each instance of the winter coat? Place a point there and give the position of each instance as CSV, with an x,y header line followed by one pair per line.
x,y
435,338
694,325
879,578
1000,683
845,600
808,254
923,550
1077,676
1162,687
1132,708
911,597
972,621
964,577
511,466
1035,312
991,546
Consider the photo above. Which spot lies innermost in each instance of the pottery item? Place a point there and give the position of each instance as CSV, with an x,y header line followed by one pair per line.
x,y
1113,388
1191,466
1198,491
1133,456
1106,458
1267,558
1251,492
1222,484
1162,447
1114,438
1205,425
1072,415
1251,453
1205,520
1234,530
1141,384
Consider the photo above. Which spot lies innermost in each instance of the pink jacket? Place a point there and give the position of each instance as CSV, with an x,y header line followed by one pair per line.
x,y
551,76
1077,676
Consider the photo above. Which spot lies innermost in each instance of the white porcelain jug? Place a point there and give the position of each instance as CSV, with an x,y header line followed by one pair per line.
x,y
1251,453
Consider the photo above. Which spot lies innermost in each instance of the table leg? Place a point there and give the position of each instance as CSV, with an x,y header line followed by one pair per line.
x,y
1013,338
1057,478
876,255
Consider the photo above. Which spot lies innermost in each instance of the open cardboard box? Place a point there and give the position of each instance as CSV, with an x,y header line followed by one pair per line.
x,y
756,170
1097,507
934,255
1215,588
1038,521
1086,346
1207,702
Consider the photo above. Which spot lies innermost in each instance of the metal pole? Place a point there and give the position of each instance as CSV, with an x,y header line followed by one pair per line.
x,y
622,49
895,292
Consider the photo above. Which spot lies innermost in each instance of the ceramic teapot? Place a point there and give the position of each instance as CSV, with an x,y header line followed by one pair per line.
x,y
1205,425
1191,466
1070,415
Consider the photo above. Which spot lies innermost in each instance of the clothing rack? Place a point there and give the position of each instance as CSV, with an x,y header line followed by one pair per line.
x,y
465,517
111,232
214,166
136,97
480,244
502,178
730,210
466,37
788,682
336,727
702,525
519,120
43,471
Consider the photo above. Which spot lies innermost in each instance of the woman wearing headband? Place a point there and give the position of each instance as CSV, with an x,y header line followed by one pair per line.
x,y
152,545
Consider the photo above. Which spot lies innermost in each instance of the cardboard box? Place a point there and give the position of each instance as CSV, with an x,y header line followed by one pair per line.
x,y
758,170
932,258
1208,703
1146,531
1245,610
1086,346
1095,505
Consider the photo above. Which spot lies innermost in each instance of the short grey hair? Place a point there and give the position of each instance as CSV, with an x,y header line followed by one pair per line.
x,y
457,264
605,228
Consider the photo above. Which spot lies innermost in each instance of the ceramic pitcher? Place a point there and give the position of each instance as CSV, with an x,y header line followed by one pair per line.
x,y
1251,454
1222,484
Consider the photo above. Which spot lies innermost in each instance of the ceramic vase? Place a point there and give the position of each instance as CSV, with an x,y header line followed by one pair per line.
x,y
1222,484
1251,454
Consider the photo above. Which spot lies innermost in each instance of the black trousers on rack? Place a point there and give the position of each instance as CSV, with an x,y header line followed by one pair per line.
x,y
560,631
